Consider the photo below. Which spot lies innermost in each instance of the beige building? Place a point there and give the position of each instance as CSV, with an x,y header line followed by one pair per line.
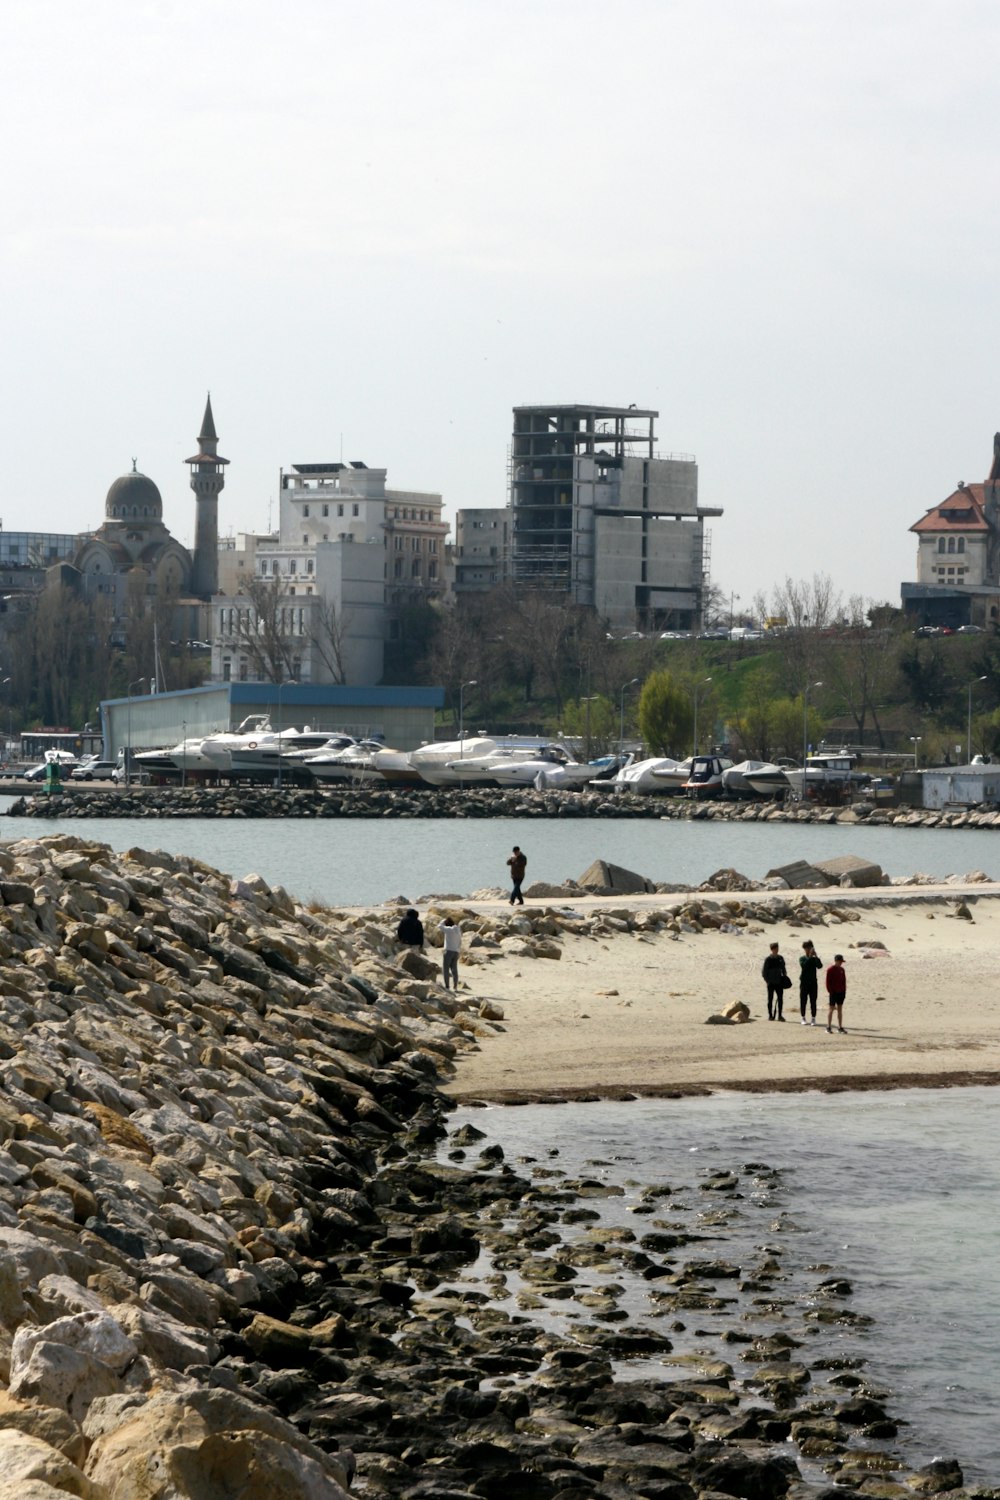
x,y
958,556
481,551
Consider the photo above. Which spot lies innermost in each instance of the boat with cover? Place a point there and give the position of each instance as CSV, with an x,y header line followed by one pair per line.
x,y
548,767
660,774
432,761
755,778
354,762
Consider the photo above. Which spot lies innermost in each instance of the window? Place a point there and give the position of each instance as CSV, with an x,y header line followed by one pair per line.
x,y
397,543
309,566
415,568
941,544
397,568
292,589
340,510
243,671
305,540
355,509
414,544
326,510
227,670
432,570
961,544
292,565
432,545
305,510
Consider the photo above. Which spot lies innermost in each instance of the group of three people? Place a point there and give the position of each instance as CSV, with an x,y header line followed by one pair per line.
x,y
775,976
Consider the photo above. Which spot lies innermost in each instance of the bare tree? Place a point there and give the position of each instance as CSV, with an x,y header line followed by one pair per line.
x,y
861,664
262,630
331,628
802,610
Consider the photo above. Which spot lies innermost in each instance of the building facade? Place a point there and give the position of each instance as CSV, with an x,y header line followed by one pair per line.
x,y
601,517
481,551
958,556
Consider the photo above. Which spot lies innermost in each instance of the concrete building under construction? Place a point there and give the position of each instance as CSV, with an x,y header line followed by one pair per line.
x,y
599,515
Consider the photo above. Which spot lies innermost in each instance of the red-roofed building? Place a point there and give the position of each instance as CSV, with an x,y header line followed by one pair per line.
x,y
958,556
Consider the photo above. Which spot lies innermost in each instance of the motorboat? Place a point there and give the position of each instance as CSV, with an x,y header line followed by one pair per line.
x,y
395,767
253,732
488,770
183,759
657,774
826,777
433,761
755,778
548,767
705,779
259,757
353,762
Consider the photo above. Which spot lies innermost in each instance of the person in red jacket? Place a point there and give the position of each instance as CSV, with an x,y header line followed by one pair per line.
x,y
836,989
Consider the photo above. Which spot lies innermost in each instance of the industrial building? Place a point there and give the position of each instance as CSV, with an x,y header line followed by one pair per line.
x,y
601,516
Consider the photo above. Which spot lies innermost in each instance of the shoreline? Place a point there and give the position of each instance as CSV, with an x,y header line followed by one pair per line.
x,y
625,997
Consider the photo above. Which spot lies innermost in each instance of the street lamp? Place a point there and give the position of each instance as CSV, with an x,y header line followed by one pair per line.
x,y
586,733
697,685
461,714
968,737
805,730
128,737
621,719
915,742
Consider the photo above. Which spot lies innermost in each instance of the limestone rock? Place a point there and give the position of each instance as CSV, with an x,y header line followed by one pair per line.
x,y
800,876
850,870
607,879
28,1461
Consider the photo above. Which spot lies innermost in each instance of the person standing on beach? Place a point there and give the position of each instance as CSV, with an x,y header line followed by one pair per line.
x,y
518,864
836,989
775,976
410,931
451,937
809,966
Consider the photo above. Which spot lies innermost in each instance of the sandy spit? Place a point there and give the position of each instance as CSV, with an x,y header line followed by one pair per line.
x,y
625,1015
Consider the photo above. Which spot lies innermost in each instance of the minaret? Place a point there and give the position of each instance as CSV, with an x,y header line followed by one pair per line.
x,y
207,479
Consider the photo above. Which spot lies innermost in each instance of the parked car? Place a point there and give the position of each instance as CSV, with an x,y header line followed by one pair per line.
x,y
94,770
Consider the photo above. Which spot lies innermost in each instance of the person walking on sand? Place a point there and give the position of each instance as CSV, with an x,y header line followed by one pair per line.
x,y
518,864
809,966
410,931
775,976
451,937
836,989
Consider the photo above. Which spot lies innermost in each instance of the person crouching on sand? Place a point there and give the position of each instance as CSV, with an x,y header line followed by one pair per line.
x,y
836,989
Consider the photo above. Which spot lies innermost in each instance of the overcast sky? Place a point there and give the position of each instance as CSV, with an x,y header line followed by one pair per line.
x,y
372,228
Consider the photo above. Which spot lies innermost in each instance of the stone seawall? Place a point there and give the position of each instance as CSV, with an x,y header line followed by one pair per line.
x,y
230,1264
485,802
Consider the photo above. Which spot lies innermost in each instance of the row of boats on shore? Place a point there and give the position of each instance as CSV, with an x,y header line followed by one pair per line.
x,y
257,752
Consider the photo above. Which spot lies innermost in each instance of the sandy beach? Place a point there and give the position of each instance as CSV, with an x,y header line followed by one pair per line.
x,y
626,1013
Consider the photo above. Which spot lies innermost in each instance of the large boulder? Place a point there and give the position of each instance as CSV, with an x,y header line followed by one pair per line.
x,y
604,879
801,876
850,870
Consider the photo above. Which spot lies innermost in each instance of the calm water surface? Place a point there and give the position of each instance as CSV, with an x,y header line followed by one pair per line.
x,y
359,861
894,1190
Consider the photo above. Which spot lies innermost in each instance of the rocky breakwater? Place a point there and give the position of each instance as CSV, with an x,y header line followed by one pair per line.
x,y
230,1263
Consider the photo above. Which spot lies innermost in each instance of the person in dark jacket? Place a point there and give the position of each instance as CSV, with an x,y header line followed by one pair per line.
x,y
410,931
518,864
836,990
809,966
775,976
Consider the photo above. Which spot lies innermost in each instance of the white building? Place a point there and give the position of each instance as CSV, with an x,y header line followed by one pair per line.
x,y
481,554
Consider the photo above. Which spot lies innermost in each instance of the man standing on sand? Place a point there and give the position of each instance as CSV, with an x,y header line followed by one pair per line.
x,y
836,989
451,937
518,864
775,976
809,966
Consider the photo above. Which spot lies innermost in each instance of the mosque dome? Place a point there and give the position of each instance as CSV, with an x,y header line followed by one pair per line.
x,y
133,497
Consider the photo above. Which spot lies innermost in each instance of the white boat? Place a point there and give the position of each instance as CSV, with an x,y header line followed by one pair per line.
x,y
705,779
182,759
486,770
432,761
260,756
253,732
550,767
755,778
658,774
826,776
350,763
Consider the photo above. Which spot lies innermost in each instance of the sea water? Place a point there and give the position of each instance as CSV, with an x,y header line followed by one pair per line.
x,y
894,1190
356,861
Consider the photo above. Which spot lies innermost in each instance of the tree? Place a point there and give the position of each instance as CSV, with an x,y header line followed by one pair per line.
x,y
807,608
860,663
594,721
331,627
263,631
665,714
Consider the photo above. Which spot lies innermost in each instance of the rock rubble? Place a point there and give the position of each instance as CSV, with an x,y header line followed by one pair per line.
x,y
230,1264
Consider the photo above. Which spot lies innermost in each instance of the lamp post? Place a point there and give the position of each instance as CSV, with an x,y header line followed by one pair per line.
x,y
184,735
586,732
621,719
915,742
805,730
128,733
732,600
461,714
968,737
697,686
281,683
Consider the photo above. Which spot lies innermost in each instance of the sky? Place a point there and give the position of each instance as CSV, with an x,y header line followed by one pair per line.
x,y
371,229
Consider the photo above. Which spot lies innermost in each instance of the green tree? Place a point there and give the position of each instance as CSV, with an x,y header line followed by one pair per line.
x,y
594,721
665,714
